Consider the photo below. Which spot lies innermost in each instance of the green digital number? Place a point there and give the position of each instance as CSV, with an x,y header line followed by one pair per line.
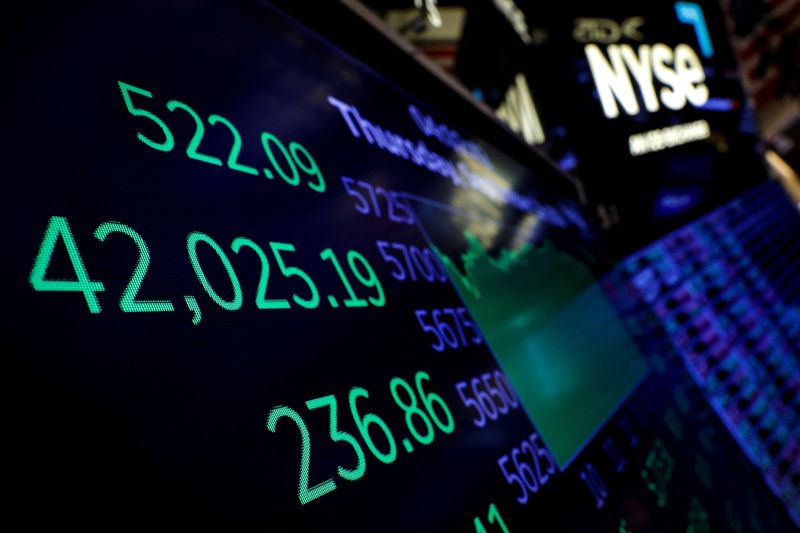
x,y
341,436
429,399
59,227
261,294
479,527
304,493
233,156
199,131
309,166
370,280
169,140
411,410
353,301
191,246
363,423
293,178
494,517
127,301
311,302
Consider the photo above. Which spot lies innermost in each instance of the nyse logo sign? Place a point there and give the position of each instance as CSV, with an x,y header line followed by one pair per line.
x,y
648,75
662,75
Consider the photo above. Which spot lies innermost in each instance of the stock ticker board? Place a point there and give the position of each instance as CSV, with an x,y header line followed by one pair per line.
x,y
250,284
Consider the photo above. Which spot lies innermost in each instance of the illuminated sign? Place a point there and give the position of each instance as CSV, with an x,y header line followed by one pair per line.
x,y
519,112
662,74
678,71
661,139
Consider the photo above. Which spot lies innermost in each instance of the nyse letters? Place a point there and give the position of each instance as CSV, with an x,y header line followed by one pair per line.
x,y
663,76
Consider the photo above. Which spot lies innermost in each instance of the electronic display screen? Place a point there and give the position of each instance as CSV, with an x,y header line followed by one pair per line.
x,y
723,290
254,285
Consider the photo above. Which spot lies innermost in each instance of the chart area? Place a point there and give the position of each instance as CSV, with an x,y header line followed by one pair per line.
x,y
549,325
